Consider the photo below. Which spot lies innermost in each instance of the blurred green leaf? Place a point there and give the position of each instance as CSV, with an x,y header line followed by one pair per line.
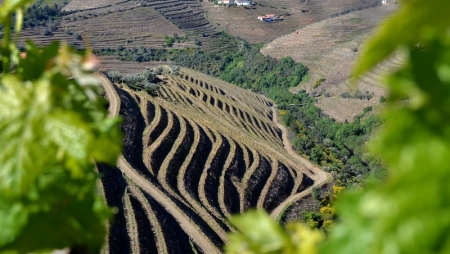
x,y
258,233
411,25
52,131
10,6
410,213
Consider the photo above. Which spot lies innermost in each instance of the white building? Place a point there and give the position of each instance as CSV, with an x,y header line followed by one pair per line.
x,y
223,2
242,2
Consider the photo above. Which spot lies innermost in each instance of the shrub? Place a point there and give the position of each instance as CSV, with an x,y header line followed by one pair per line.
x,y
114,76
169,41
47,32
358,95
78,36
318,82
316,193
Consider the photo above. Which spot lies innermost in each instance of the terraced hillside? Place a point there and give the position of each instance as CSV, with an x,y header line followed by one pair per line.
x,y
141,23
242,21
197,153
329,48
191,18
124,24
79,5
111,63
132,24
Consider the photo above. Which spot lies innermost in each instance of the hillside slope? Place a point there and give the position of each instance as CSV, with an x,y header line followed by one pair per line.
x,y
124,24
329,48
242,22
197,153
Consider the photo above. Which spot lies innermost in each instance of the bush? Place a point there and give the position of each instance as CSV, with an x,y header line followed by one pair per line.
x,y
169,41
366,95
46,32
114,76
78,36
318,82
316,193
142,81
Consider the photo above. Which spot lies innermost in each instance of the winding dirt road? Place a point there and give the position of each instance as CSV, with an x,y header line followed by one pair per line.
x,y
191,229
319,176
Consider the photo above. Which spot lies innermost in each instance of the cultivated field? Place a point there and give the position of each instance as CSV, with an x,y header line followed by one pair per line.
x,y
131,24
111,63
80,5
124,24
329,48
242,21
197,153
191,18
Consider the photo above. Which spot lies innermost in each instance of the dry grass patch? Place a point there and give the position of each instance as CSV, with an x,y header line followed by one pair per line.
x,y
329,49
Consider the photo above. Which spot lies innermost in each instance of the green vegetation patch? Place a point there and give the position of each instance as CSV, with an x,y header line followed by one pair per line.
x,y
44,13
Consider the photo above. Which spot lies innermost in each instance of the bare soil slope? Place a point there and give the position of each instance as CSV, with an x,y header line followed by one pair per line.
x,y
242,21
329,48
194,155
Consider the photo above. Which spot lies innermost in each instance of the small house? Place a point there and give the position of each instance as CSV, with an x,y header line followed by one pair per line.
x,y
242,2
271,18
267,18
227,2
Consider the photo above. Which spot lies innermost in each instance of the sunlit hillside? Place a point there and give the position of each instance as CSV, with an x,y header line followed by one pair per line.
x,y
198,152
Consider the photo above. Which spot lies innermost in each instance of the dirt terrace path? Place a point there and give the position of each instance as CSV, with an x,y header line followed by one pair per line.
x,y
111,94
185,223
319,176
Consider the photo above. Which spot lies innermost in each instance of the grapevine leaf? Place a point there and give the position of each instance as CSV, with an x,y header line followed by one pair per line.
x,y
50,135
12,218
411,25
37,61
10,6
259,234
